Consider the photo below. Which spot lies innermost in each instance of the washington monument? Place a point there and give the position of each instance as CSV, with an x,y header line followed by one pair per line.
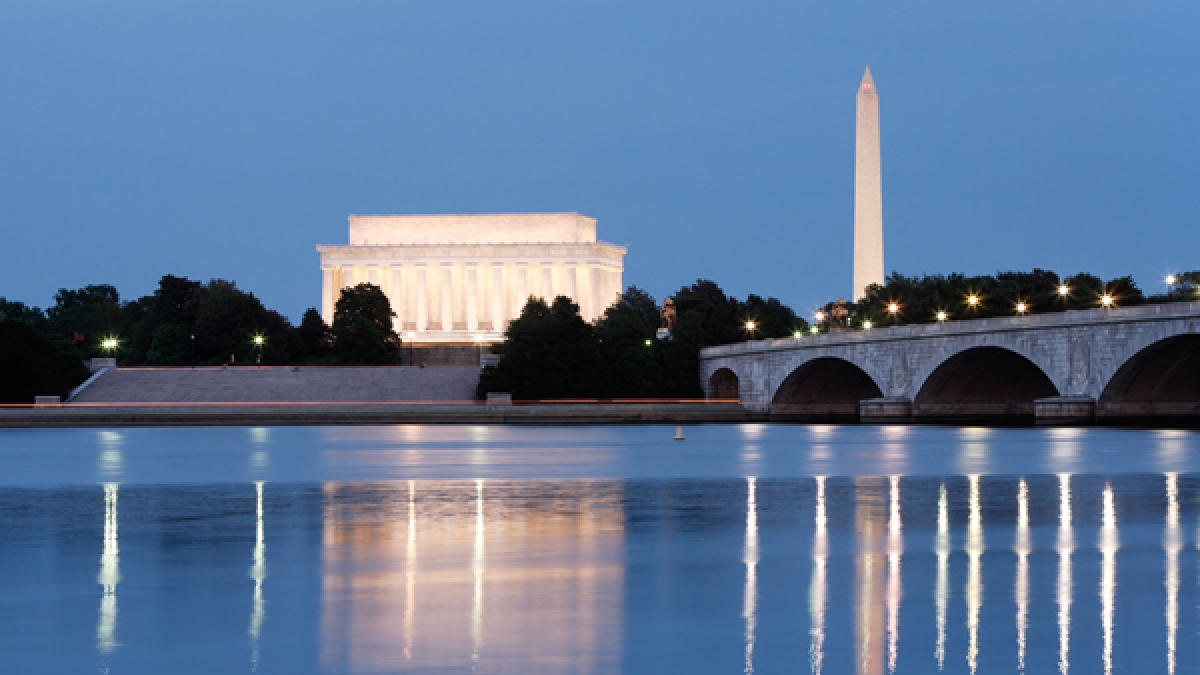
x,y
868,196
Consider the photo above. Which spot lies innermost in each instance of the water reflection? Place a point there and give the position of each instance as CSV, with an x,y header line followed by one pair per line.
x,y
110,574
499,577
258,572
750,558
817,587
974,590
869,565
894,586
587,576
1108,574
1066,544
942,589
1172,545
1022,548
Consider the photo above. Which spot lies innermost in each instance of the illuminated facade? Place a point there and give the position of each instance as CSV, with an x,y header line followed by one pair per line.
x,y
463,278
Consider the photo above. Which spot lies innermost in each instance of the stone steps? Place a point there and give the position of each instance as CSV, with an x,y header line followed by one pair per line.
x,y
282,384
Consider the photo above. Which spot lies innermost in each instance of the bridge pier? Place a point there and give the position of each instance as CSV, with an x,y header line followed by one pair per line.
x,y
885,410
1064,410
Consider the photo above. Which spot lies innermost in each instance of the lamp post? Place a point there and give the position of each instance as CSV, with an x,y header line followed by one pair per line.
x,y
193,341
259,341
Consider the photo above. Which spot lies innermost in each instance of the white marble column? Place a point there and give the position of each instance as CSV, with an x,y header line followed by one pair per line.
x,y
422,299
327,294
498,318
348,276
522,288
593,280
572,289
394,274
447,297
548,282
472,296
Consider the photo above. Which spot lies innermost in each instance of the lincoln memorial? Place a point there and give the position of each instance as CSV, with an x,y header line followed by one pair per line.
x,y
459,279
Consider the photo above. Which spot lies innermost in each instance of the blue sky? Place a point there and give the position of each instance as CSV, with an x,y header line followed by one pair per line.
x,y
716,139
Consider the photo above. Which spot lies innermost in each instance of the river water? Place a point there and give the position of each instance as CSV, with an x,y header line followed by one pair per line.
x,y
742,549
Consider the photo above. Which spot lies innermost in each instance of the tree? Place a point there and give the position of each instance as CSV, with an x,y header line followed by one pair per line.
x,y
921,299
549,352
314,333
632,368
362,327
722,323
19,311
172,346
772,318
86,316
35,364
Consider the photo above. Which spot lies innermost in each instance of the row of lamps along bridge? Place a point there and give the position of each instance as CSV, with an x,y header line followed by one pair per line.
x,y
1106,300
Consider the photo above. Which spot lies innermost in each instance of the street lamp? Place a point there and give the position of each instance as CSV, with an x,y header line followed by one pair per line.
x,y
1063,290
108,344
750,326
1022,307
1107,300
893,308
819,316
259,341
973,300
1171,279
814,330
941,316
797,334
649,342
866,325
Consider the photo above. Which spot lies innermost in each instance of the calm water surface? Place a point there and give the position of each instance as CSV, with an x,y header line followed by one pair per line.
x,y
744,549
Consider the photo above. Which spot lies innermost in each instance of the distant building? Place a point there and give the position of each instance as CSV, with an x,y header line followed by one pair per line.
x,y
460,279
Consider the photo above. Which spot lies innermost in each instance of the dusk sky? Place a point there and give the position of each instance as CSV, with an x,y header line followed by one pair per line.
x,y
223,139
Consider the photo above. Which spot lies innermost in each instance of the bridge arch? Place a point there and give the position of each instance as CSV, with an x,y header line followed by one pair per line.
x,y
983,382
1162,378
826,387
723,383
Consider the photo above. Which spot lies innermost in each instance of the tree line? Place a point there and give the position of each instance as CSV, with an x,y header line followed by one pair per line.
x,y
549,352
183,323
903,300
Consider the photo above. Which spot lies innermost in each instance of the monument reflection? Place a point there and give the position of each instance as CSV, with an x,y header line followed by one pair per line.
x,y
500,577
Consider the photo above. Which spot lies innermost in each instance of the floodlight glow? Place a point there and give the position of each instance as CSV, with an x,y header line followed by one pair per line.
x,y
478,337
109,343
893,307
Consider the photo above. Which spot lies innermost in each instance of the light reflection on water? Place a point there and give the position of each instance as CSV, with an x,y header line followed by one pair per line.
x,y
885,572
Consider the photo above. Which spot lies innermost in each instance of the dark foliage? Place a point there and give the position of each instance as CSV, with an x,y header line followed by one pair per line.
x,y
33,363
550,352
315,334
362,327
920,299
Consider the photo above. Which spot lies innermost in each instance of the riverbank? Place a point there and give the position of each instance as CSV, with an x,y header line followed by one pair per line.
x,y
300,414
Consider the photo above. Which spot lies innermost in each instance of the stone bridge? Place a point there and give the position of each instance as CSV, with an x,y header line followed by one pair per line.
x,y
1123,364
